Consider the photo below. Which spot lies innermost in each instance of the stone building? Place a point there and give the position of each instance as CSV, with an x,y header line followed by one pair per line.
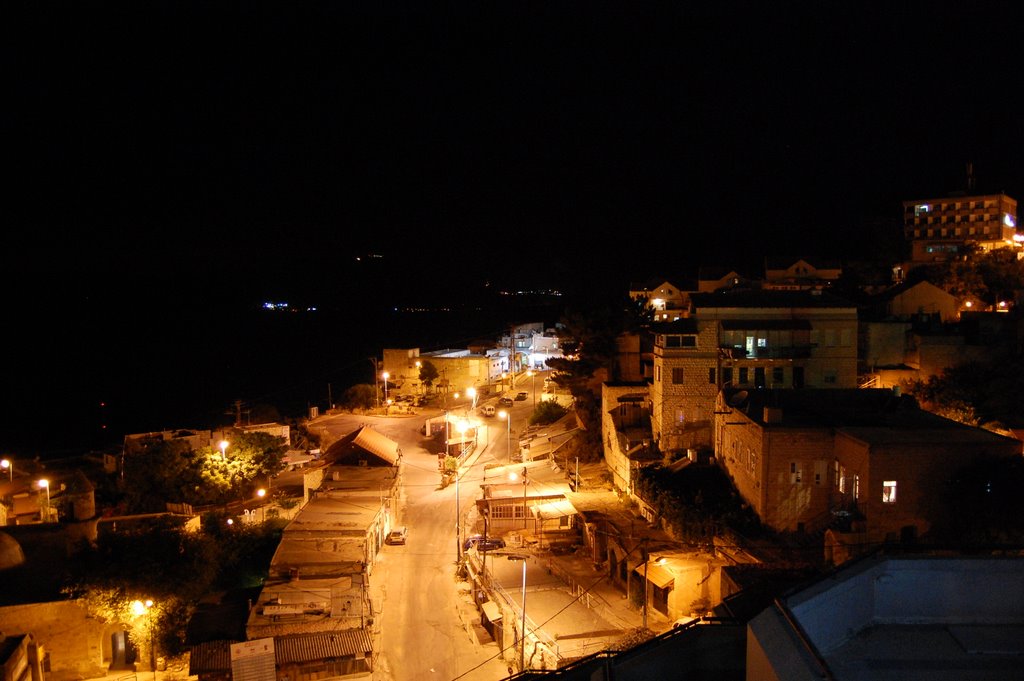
x,y
806,460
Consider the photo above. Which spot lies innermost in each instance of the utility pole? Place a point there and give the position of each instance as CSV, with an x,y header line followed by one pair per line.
x,y
376,386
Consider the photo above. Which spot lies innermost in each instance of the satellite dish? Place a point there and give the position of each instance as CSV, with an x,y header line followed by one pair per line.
x,y
739,398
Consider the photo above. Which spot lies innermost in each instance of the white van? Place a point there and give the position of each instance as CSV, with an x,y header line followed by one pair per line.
x,y
487,410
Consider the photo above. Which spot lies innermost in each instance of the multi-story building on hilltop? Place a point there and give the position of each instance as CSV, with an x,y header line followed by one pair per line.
x,y
939,229
746,339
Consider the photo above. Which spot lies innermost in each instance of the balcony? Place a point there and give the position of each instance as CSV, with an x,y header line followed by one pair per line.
x,y
777,352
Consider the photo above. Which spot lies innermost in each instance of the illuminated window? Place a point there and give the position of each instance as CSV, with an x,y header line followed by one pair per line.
x,y
922,208
889,492
856,487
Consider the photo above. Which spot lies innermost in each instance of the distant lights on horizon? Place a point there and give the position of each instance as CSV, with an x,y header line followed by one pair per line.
x,y
277,306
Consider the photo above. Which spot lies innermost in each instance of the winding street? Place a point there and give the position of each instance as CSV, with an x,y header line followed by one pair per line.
x,y
421,634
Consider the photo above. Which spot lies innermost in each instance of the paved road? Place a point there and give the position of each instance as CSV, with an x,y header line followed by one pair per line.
x,y
421,635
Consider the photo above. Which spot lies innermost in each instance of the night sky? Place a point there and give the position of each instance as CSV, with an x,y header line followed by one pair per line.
x,y
265,144
170,161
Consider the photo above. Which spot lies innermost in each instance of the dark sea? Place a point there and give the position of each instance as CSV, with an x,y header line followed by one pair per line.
x,y
86,370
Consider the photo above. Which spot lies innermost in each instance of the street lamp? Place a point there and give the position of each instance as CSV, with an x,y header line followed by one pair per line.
x,y
385,376
46,483
508,433
223,448
522,639
471,393
376,385
462,427
140,608
513,477
262,493
8,466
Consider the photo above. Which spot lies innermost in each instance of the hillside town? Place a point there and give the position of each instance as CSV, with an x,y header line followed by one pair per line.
x,y
748,481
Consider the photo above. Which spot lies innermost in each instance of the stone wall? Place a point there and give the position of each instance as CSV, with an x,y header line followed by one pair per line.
x,y
73,642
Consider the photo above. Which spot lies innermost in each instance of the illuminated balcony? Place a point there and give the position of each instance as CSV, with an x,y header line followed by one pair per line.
x,y
776,352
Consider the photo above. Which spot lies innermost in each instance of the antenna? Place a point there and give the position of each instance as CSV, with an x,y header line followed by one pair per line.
x,y
970,176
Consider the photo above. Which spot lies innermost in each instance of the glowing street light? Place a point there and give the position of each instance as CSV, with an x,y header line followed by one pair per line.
x,y
223,448
471,393
143,608
8,466
508,433
385,376
262,493
46,483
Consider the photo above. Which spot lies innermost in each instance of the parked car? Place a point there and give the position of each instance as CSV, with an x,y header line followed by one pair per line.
x,y
397,535
505,402
487,410
522,395
483,544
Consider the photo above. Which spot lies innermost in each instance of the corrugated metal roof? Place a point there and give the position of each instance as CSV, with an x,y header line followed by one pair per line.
x,y
210,657
378,444
215,656
310,647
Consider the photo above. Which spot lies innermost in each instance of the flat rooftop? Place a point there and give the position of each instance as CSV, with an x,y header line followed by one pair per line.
x,y
912,618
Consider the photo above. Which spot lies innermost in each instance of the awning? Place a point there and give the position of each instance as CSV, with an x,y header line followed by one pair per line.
x,y
378,444
556,508
491,610
656,574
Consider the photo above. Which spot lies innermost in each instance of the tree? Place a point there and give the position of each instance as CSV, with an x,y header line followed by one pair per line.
x,y
173,567
977,393
361,396
428,373
164,470
990,276
548,411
